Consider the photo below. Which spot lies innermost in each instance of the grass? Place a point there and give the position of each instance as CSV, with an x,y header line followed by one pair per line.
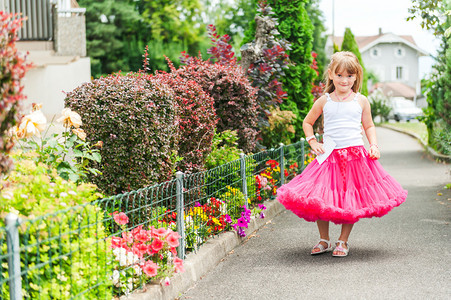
x,y
417,128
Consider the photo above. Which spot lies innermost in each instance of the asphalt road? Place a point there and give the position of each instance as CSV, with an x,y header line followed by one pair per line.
x,y
403,255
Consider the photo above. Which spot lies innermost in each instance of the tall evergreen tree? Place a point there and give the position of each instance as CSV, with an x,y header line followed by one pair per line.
x,y
295,26
349,44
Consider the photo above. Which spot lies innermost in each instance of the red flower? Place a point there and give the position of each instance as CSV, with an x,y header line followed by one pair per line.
x,y
157,245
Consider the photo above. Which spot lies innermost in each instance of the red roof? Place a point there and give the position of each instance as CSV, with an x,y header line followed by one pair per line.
x,y
362,41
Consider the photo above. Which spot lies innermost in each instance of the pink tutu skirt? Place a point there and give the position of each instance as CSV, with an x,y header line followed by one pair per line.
x,y
346,187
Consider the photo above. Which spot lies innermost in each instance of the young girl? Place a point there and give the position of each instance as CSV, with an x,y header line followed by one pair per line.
x,y
345,183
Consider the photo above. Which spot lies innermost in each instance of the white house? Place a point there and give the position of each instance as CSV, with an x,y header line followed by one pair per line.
x,y
54,35
394,59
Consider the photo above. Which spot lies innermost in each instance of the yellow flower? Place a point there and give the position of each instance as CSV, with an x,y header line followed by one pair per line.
x,y
80,133
32,124
216,221
70,118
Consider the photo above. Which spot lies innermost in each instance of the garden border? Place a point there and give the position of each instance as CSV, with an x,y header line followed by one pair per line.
x,y
209,255
431,152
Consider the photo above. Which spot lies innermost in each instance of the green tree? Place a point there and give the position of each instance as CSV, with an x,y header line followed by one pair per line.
x,y
295,26
112,34
178,21
436,16
349,44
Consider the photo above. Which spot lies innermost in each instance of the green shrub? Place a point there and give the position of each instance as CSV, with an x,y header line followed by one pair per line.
x,y
66,255
224,149
234,200
380,105
136,118
280,129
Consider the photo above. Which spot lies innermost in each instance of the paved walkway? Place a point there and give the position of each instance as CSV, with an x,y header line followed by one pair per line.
x,y
404,255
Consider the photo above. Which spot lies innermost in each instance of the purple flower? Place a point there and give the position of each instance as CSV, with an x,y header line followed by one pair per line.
x,y
241,232
197,204
262,215
261,206
242,222
234,226
228,219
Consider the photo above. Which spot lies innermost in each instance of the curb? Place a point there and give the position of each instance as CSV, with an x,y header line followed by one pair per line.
x,y
205,259
431,152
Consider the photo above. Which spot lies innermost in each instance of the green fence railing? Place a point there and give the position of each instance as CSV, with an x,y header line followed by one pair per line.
x,y
68,254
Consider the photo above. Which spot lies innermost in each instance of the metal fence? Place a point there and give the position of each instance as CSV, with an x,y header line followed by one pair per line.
x,y
67,254
38,14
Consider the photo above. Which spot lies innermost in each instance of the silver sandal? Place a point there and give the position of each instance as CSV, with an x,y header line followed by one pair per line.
x,y
321,247
341,249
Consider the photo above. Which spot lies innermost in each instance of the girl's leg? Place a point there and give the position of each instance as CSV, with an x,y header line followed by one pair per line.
x,y
323,227
344,236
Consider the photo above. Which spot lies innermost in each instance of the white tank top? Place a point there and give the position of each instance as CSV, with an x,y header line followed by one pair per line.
x,y
343,122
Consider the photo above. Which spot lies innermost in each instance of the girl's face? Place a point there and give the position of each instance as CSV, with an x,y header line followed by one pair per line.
x,y
343,81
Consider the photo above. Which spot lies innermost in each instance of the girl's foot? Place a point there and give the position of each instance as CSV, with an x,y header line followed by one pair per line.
x,y
322,246
341,250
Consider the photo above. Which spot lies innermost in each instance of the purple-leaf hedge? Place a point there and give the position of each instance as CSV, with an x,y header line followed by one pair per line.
x,y
136,118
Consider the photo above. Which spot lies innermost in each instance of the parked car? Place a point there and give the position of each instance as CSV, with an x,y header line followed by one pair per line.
x,y
404,110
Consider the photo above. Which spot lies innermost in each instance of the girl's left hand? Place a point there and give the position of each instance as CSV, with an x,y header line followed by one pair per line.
x,y
374,152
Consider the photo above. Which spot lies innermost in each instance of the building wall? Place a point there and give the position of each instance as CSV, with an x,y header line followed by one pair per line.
x,y
48,84
387,60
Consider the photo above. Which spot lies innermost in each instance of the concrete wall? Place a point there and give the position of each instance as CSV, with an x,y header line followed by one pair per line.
x,y
69,34
385,63
47,84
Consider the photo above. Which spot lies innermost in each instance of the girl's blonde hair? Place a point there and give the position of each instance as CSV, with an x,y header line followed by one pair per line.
x,y
340,62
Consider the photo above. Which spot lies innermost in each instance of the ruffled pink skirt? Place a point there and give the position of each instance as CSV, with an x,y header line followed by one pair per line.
x,y
346,187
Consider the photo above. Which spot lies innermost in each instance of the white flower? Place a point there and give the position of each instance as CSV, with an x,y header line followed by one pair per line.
x,y
24,196
138,270
116,277
63,194
70,118
7,195
63,204
72,193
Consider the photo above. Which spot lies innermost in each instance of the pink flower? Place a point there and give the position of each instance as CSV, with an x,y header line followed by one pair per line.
x,y
127,236
178,263
117,242
174,251
140,249
136,230
120,218
173,239
159,232
142,236
150,268
166,281
157,245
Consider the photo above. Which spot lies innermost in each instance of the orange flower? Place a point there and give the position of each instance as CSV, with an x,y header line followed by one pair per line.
x,y
80,133
32,124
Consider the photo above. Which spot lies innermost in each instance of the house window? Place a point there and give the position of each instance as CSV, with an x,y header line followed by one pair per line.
x,y
375,52
400,52
398,72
